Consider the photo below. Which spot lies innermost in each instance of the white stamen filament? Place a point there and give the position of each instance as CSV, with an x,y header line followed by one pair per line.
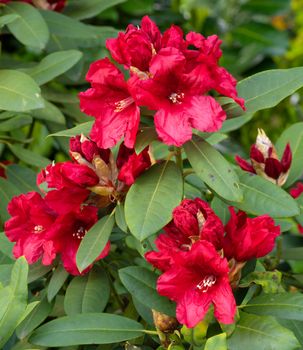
x,y
206,283
120,105
176,98
38,229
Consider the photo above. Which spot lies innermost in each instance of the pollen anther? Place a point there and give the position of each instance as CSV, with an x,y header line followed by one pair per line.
x,y
120,105
206,283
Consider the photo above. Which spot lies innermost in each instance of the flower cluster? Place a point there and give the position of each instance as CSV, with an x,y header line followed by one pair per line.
x,y
265,162
54,5
200,263
168,74
295,192
43,227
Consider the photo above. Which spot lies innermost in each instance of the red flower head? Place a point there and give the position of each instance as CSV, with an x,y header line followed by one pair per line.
x,y
30,226
197,279
248,238
109,101
68,230
136,47
54,5
295,193
193,220
179,104
265,162
196,219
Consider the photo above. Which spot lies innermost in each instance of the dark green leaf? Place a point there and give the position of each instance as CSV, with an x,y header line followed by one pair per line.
x,y
293,253
295,326
18,92
15,123
262,333
158,190
89,293
29,28
285,305
263,197
217,342
53,65
22,177
50,113
84,128
7,192
57,280
293,135
213,169
89,8
29,157
90,328
145,137
94,242
7,19
120,217
34,319
141,283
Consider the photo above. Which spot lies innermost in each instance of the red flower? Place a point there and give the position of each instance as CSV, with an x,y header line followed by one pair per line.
x,y
196,219
193,220
30,226
248,238
109,101
68,174
69,230
197,279
55,5
131,164
265,162
169,244
137,45
178,102
295,193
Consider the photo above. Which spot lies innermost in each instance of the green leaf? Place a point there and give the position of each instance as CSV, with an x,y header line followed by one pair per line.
x,y
53,65
89,293
29,28
269,280
34,319
145,137
217,342
13,300
120,217
285,305
236,123
83,128
292,253
7,192
94,242
213,169
23,178
141,283
63,26
90,8
263,197
6,19
50,113
262,333
293,135
158,190
57,280
266,89
221,209
15,123
6,246
29,157
91,328
18,92
295,326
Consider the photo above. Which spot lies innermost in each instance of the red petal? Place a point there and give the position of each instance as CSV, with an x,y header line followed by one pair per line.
x,y
256,155
286,158
244,164
273,168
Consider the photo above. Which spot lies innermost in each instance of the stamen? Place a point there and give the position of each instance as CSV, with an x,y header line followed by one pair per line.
x,y
176,98
38,229
206,283
80,233
120,105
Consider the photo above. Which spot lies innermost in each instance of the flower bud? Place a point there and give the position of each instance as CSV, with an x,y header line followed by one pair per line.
x,y
164,323
265,161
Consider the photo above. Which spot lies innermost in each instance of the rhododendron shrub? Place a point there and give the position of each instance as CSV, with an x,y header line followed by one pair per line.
x,y
150,235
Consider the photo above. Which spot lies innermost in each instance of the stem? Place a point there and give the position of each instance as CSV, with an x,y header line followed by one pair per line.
x,y
187,172
178,155
146,331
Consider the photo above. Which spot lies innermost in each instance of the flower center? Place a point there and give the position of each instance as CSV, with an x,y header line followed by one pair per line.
x,y
206,283
120,105
80,233
176,98
38,229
